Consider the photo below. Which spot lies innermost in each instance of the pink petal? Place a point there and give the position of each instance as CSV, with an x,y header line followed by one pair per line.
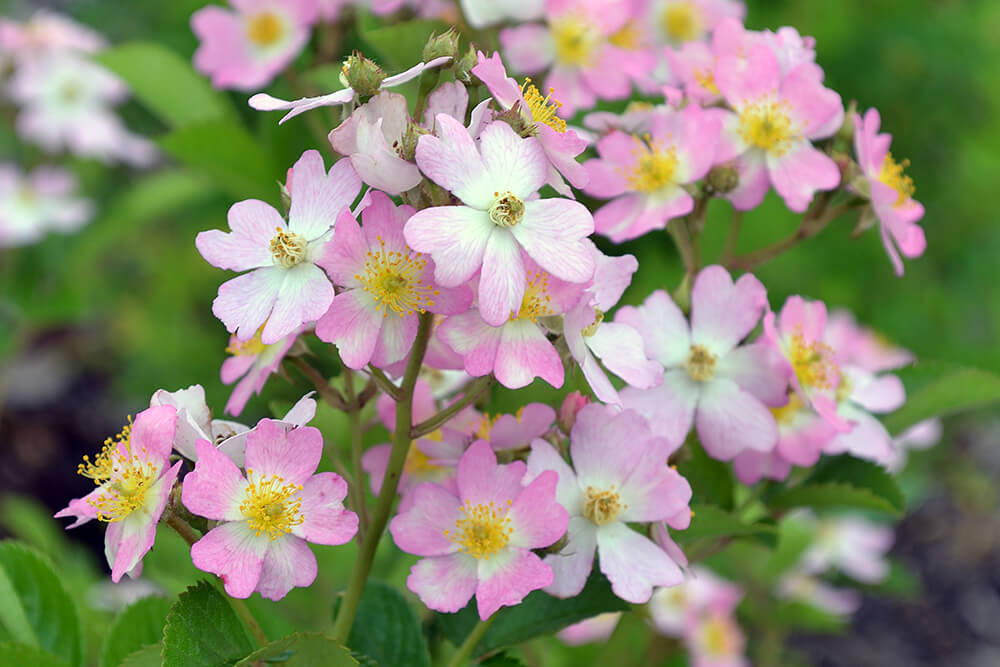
x,y
551,234
754,181
277,449
216,487
506,578
669,407
153,432
472,338
453,162
730,420
814,108
723,313
633,563
572,565
455,236
514,164
595,427
352,324
662,326
324,519
253,223
527,48
750,78
305,295
379,165
759,369
621,349
616,219
318,197
532,421
444,583
288,562
544,457
525,353
502,283
654,491
800,172
395,339
232,551
245,302
421,528
481,481
536,518
604,178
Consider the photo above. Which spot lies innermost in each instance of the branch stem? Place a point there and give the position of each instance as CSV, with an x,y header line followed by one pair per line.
x,y
464,651
472,392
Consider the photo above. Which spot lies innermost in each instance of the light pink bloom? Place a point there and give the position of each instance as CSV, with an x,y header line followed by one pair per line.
x,y
852,544
636,119
284,288
253,361
481,13
607,488
670,609
890,191
791,48
714,639
596,629
267,516
769,134
860,346
680,21
710,381
134,479
644,176
574,44
384,287
861,394
45,32
750,467
694,62
814,591
561,145
244,49
509,432
921,435
265,102
617,345
496,181
479,541
32,204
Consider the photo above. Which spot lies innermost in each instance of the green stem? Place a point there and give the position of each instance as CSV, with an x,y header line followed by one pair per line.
x,y
384,383
732,239
357,493
464,651
322,385
241,609
472,392
678,231
390,483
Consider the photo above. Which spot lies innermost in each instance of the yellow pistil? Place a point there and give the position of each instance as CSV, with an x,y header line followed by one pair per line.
x,y
681,22
813,362
767,125
395,280
575,40
288,248
536,301
706,79
542,109
892,175
483,530
628,36
246,348
700,364
124,477
264,29
654,168
602,507
506,210
271,506
786,413
591,328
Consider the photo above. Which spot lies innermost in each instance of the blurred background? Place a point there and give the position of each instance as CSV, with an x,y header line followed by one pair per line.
x,y
92,323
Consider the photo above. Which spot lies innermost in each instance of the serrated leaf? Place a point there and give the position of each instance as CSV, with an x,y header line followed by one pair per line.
x,y
166,83
711,480
539,614
845,481
12,653
148,656
137,626
36,609
710,521
819,496
302,649
202,629
938,390
387,630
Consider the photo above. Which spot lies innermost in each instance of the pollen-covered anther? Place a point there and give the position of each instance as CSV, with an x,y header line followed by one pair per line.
x,y
813,363
288,248
767,124
681,22
123,475
272,506
591,328
264,29
506,210
892,174
536,301
700,364
482,530
602,507
655,166
395,281
575,39
542,109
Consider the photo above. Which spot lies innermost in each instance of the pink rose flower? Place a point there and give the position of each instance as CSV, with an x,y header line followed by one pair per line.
x,y
254,362
32,204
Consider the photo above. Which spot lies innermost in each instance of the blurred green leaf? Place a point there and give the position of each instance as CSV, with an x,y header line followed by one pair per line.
x,y
34,606
937,389
16,655
167,84
844,481
501,660
303,649
149,656
711,480
400,46
202,629
137,626
386,628
802,616
711,521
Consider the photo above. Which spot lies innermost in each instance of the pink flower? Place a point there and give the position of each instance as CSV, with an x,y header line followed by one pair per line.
x,y
596,629
921,435
561,145
644,176
750,466
714,639
860,396
495,181
32,204
607,488
509,432
45,32
890,191
671,609
858,345
265,102
266,517
481,13
575,45
253,361
711,382
681,21
775,118
134,478
384,287
244,49
852,544
815,592
284,288
479,541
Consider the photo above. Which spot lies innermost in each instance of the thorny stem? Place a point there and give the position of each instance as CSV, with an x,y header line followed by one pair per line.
x,y
323,388
465,650
472,392
390,483
356,491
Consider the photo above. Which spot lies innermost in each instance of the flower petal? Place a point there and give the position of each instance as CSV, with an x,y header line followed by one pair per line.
x,y
233,552
276,448
633,563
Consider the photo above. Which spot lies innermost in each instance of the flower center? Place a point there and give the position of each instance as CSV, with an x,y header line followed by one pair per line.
x,y
628,37
591,328
767,125
700,364
536,300
486,423
418,463
655,166
893,176
813,363
125,478
717,637
786,413
395,280
706,79
288,248
542,109
482,531
602,507
506,210
270,507
575,41
246,348
264,29
680,22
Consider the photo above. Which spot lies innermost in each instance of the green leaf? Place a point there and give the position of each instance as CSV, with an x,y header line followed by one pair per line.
x,y
802,616
501,660
711,480
139,625
539,614
35,607
386,628
227,154
401,45
148,656
710,521
12,654
167,84
202,629
303,649
845,481
937,389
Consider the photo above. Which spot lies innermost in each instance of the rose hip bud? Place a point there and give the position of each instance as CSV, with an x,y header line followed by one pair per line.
x,y
445,44
363,75
571,405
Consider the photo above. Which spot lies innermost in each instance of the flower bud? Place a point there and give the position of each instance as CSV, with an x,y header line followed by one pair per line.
x,y
571,405
723,179
445,44
407,148
464,64
363,75
846,131
516,120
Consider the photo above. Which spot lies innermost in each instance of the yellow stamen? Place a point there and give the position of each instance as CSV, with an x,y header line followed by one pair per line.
x,y
591,328
700,364
602,507
575,40
124,476
706,79
247,348
536,301
483,530
892,175
681,22
542,109
655,166
506,210
628,36
418,463
264,29
395,280
786,413
767,125
288,248
271,506
717,637
813,362
485,426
